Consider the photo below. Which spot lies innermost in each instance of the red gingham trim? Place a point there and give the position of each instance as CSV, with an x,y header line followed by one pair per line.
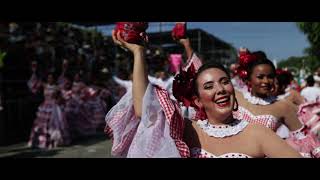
x,y
175,120
108,131
265,120
195,60
165,102
115,122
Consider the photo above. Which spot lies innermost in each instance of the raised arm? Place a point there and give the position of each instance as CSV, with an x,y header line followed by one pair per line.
x,y
187,46
34,83
192,57
140,80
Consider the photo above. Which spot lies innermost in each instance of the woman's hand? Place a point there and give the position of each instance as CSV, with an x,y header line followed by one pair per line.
x,y
134,48
187,46
184,42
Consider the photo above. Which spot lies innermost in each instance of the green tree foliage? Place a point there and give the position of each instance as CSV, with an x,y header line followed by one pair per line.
x,y
312,31
309,63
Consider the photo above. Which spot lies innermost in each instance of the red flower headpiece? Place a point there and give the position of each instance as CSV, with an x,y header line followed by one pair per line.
x,y
131,31
184,91
280,71
183,88
245,58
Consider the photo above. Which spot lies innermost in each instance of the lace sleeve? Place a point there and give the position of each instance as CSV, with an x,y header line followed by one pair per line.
x,y
305,139
305,142
157,134
121,125
153,138
308,114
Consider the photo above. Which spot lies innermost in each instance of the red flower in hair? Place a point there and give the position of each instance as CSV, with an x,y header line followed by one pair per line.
x,y
243,74
245,58
183,89
280,71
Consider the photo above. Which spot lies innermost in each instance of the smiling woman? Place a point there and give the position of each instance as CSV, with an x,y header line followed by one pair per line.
x,y
257,104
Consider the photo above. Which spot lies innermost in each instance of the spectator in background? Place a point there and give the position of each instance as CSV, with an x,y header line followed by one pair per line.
x,y
235,79
317,77
311,92
61,79
50,128
283,90
76,112
175,63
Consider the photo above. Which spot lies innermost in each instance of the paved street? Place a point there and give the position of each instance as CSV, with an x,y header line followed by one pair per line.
x,y
96,147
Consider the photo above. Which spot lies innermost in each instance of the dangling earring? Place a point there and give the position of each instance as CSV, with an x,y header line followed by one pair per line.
x,y
237,105
247,84
249,87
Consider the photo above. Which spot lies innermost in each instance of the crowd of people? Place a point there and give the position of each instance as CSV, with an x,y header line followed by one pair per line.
x,y
69,68
78,74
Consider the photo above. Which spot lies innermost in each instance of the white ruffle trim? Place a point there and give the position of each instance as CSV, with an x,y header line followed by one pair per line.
x,y
256,100
221,131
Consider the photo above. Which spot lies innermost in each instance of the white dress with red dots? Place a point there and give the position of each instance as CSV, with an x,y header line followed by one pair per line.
x,y
201,153
219,131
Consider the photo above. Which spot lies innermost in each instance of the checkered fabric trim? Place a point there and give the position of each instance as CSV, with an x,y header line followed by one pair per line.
x,y
175,120
268,121
195,60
